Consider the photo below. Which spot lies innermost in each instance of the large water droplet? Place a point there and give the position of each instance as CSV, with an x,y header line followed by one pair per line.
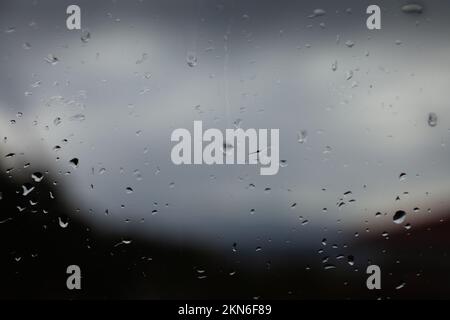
x,y
74,162
37,176
399,216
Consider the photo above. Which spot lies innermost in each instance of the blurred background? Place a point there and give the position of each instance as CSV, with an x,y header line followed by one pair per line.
x,y
86,176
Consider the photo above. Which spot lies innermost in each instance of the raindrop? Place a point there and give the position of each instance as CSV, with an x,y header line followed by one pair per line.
x,y
142,59
334,65
351,260
227,147
317,13
27,188
302,136
62,224
74,162
26,46
57,121
329,266
37,176
78,117
400,286
349,43
283,163
51,59
432,119
10,155
402,176
85,36
10,30
399,216
349,75
191,59
412,8
129,190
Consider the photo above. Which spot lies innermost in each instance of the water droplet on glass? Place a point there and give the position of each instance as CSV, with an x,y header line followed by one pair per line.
x,y
402,176
334,65
349,43
74,162
10,30
62,224
27,188
85,36
348,75
191,59
412,8
432,119
51,59
227,148
399,216
317,13
351,260
302,136
78,117
37,176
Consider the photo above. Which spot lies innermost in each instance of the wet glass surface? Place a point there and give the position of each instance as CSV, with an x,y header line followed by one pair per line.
x,y
86,176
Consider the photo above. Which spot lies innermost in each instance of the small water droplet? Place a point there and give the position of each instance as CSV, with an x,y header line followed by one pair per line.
x,y
78,117
334,65
85,36
412,8
63,224
351,260
51,59
432,119
317,13
191,59
349,43
227,148
302,136
349,75
402,176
